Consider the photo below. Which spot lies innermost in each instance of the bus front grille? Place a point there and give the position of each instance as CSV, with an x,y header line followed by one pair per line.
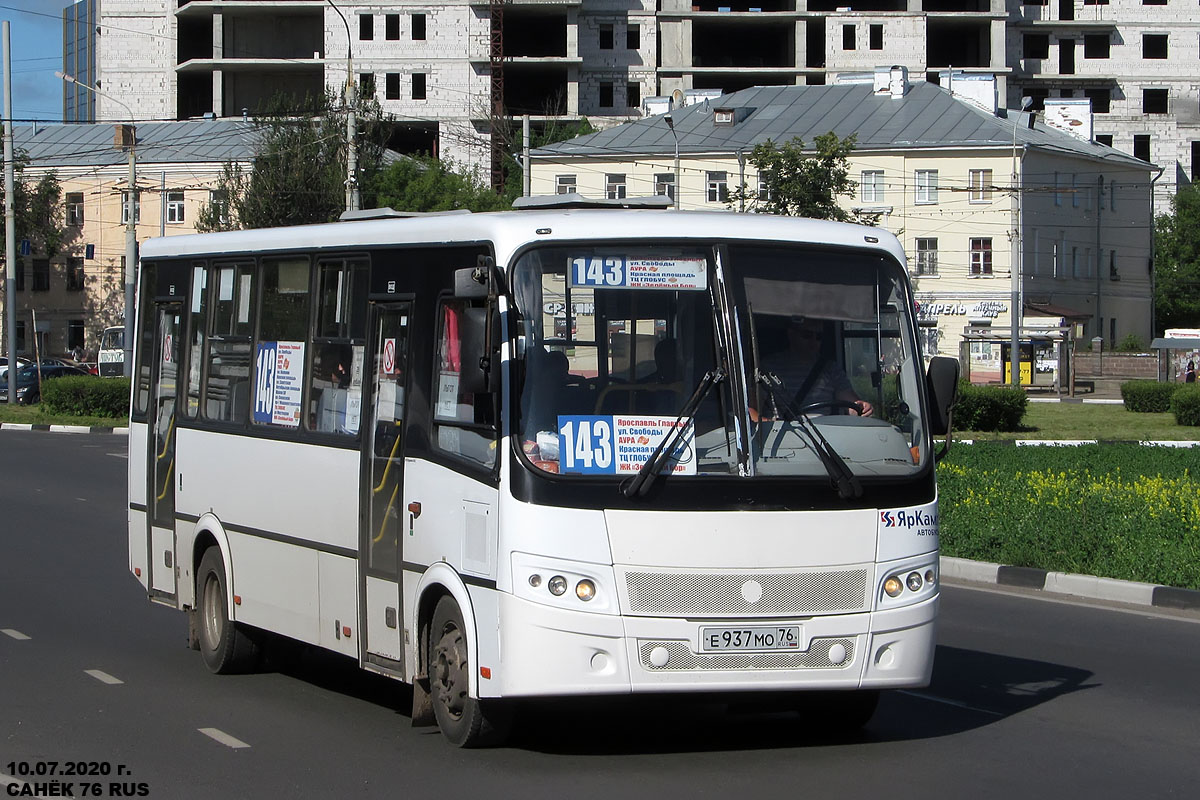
x,y
742,595
681,657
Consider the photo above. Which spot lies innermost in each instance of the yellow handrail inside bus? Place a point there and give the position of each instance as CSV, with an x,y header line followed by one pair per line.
x,y
387,470
167,482
167,440
383,522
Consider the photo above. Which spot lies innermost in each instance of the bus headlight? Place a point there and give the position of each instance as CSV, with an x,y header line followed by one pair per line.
x,y
893,586
557,585
914,581
585,590
569,585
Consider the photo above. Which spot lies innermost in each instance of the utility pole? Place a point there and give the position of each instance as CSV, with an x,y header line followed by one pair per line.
x,y
10,227
351,98
527,168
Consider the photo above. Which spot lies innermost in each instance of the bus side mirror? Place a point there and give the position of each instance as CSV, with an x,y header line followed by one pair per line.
x,y
480,361
942,381
478,282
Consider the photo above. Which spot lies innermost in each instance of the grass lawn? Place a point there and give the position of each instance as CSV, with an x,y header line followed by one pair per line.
x,y
33,415
1090,421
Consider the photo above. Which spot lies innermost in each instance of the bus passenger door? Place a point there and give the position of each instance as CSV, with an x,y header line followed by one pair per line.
x,y
381,540
161,470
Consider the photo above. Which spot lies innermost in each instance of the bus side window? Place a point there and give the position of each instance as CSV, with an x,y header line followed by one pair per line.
x,y
463,422
197,325
226,391
335,378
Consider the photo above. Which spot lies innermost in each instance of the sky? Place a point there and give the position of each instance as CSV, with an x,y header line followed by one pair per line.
x,y
35,36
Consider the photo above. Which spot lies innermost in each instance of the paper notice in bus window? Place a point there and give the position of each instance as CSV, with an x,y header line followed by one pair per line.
x,y
620,272
278,386
620,445
244,300
447,396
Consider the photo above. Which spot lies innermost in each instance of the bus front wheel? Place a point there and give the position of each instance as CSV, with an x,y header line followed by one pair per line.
x,y
225,646
465,721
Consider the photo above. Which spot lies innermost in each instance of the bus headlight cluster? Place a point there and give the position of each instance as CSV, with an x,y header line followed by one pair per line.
x,y
912,580
585,589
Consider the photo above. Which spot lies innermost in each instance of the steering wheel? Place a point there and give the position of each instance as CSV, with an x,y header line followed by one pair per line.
x,y
832,404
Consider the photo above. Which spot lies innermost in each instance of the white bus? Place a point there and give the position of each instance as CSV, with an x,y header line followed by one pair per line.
x,y
380,438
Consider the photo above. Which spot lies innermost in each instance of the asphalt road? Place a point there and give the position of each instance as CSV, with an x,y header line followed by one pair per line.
x,y
1030,698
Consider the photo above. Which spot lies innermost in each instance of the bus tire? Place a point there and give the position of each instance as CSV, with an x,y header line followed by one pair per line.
x,y
465,721
224,644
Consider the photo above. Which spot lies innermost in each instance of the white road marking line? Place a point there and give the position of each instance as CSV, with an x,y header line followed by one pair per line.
x,y
8,780
946,701
118,455
223,737
20,637
104,677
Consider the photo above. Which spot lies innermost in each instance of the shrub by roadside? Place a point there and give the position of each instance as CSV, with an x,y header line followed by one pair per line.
x,y
1147,397
1185,404
87,397
1113,510
988,408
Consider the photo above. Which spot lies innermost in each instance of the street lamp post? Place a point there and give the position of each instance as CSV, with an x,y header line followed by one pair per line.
x,y
1017,265
131,221
352,196
671,125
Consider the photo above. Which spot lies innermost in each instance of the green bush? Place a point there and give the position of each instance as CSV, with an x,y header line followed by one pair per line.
x,y
83,396
1113,510
1132,343
988,408
1147,397
1185,404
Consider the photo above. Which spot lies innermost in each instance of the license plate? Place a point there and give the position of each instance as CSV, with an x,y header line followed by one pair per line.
x,y
774,637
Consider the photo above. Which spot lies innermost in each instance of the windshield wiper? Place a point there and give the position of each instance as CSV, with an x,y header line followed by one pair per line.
x,y
640,484
844,480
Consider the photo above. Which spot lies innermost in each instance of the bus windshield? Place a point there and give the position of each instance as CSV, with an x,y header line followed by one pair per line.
x,y
787,352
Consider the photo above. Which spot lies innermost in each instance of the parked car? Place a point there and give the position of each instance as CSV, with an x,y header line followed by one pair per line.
x,y
4,365
28,391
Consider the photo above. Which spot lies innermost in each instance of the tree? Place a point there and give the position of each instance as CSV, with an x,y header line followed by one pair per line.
x,y
1177,262
38,211
426,184
801,183
299,170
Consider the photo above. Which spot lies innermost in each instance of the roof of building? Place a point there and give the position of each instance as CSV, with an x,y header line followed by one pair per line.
x,y
91,144
927,116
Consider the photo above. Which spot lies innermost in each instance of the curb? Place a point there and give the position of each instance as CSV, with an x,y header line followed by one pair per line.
x,y
1066,583
25,426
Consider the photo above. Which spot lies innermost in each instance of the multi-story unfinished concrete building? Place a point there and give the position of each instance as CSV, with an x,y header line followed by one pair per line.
x,y
441,66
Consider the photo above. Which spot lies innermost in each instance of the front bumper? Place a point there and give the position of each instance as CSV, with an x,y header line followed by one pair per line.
x,y
549,651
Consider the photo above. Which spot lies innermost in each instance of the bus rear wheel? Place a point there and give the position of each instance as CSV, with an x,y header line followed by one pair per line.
x,y
465,721
225,646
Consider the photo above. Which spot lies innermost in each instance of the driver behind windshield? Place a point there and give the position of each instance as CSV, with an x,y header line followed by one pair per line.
x,y
810,375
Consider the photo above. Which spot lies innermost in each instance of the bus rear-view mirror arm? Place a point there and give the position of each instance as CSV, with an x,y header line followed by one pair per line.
x,y
942,381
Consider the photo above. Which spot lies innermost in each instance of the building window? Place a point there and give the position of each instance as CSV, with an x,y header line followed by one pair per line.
x,y
74,274
219,202
606,95
1037,45
1113,275
137,209
763,191
366,27
875,34
1154,2
418,27
175,206
606,37
1141,146
1096,45
74,334
1101,100
1095,2
980,185
391,86
1154,101
366,84
1074,262
1105,139
418,86
871,186
1195,161
633,95
633,37
20,281
927,185
848,37
927,256
74,206
391,27
614,186
1037,96
981,256
716,187
1154,45
41,274
564,184
664,184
